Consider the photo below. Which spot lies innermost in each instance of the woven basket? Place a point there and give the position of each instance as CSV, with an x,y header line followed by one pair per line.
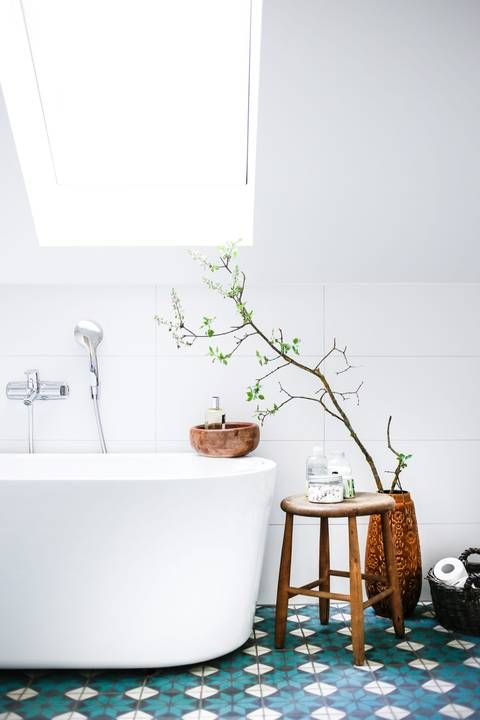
x,y
458,608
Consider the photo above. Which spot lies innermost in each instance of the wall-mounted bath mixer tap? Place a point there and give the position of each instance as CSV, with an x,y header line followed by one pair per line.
x,y
33,389
89,335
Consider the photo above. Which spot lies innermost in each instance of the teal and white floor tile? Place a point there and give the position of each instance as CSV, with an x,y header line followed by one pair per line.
x,y
433,673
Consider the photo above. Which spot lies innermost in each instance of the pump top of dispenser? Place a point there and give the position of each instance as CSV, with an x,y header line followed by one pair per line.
x,y
317,463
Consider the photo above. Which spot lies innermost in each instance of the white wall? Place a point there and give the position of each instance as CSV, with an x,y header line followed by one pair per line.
x,y
415,346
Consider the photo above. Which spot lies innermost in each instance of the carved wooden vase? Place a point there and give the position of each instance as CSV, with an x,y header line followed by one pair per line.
x,y
407,553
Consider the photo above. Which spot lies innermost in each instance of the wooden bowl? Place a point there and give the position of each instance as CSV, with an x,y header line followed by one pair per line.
x,y
237,439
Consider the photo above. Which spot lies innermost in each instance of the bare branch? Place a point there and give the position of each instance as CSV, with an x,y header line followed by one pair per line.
x,y
326,408
327,355
298,397
342,352
401,460
279,367
345,395
348,365
388,437
350,394
239,341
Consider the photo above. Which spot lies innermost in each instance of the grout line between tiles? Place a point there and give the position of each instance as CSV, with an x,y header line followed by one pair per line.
x,y
311,660
196,354
202,686
77,702
431,675
294,283
155,371
282,650
324,345
137,705
371,671
259,674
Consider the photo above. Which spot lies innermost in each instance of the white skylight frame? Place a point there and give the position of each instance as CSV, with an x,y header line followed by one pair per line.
x,y
67,214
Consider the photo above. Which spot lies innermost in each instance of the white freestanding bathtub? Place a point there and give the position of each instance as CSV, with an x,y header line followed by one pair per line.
x,y
129,560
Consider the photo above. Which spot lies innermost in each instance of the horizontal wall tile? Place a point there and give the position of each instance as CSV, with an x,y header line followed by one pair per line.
x,y
181,446
296,309
39,320
127,400
437,541
186,385
429,398
290,457
196,302
305,558
14,446
404,319
440,476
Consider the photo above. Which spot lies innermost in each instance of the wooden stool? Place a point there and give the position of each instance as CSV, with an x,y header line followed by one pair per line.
x,y
362,504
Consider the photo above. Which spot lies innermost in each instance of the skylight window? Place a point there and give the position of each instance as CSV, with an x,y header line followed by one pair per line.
x,y
134,120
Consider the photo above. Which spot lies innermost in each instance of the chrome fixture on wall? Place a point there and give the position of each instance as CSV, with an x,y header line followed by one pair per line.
x,y
89,335
33,389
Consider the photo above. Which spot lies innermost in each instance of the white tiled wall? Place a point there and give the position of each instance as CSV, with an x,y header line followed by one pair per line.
x,y
416,347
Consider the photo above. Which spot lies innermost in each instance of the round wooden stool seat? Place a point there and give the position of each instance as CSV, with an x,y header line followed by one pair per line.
x,y
362,504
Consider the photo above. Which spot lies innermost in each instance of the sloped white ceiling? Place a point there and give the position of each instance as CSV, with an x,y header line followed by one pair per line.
x,y
368,155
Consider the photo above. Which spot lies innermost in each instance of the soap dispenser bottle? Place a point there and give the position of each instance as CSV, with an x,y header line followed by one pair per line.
x,y
317,466
215,416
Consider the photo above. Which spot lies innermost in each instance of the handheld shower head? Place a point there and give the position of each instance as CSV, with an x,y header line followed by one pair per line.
x,y
89,335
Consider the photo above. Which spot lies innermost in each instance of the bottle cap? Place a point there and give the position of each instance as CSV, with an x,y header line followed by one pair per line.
x,y
216,402
317,450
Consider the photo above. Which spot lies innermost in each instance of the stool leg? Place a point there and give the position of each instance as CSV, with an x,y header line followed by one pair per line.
x,y
392,575
283,583
356,598
324,567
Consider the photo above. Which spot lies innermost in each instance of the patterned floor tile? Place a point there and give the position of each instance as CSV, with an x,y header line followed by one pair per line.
x,y
430,673
456,711
392,712
328,713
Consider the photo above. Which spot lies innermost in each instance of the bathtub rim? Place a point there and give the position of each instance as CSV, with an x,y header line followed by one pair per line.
x,y
95,467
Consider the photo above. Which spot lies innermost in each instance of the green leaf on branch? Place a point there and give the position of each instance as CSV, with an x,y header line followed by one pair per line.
x,y
262,359
206,326
254,392
217,354
295,344
245,314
